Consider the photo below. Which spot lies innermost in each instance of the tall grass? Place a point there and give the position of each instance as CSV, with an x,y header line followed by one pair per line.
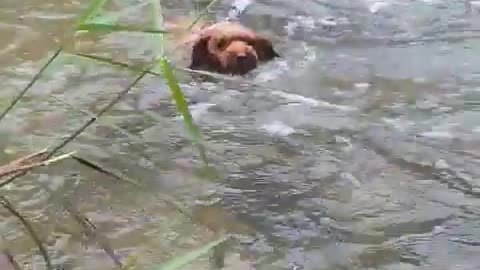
x,y
160,64
179,262
93,20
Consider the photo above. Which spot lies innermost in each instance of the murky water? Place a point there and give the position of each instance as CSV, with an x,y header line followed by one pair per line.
x,y
358,149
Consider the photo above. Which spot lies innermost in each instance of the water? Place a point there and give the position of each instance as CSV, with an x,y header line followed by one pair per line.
x,y
357,149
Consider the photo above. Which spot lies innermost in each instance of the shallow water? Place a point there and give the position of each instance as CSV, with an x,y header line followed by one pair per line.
x,y
358,149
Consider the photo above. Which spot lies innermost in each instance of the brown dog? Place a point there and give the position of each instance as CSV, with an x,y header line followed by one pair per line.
x,y
225,47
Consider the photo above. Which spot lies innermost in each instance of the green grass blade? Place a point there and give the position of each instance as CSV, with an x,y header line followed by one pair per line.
x,y
202,13
106,60
179,98
157,17
188,258
105,19
158,40
157,23
93,10
113,17
31,83
105,27
182,106
109,61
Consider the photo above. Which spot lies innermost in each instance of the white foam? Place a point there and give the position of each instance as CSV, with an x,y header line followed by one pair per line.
x,y
437,134
199,109
441,164
362,86
377,6
278,128
328,21
297,98
475,5
291,27
311,101
238,6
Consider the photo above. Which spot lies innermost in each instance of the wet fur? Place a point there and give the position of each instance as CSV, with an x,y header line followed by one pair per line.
x,y
225,47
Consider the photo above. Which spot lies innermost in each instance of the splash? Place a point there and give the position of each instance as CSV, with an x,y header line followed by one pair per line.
x,y
238,6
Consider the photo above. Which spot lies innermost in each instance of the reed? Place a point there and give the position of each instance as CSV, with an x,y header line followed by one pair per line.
x,y
91,20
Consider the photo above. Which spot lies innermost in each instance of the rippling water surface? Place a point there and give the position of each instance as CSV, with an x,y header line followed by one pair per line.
x,y
359,148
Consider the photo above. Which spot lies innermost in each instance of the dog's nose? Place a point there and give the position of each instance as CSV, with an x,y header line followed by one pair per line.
x,y
242,58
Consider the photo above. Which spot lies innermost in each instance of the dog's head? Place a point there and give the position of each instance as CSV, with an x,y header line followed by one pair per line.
x,y
230,48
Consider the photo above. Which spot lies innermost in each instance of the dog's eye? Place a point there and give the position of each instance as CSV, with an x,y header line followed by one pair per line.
x,y
222,43
251,42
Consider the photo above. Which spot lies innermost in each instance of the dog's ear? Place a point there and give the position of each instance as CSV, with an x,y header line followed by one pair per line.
x,y
217,43
200,53
264,49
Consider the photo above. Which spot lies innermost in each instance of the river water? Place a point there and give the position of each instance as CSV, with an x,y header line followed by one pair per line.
x,y
359,148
